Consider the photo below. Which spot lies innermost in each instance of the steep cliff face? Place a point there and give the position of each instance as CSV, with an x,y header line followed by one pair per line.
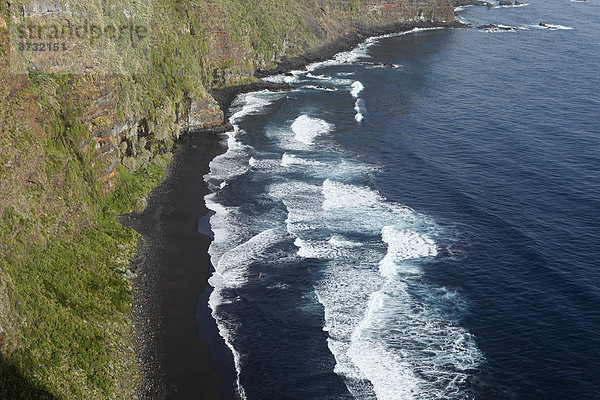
x,y
209,44
76,148
238,37
239,45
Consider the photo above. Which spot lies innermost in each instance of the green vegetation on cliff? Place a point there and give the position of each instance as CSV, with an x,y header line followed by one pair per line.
x,y
64,262
77,149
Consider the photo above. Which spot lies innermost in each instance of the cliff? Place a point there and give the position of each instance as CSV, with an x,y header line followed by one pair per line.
x,y
86,134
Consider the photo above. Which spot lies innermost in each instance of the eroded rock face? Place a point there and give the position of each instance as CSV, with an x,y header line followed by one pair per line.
x,y
135,120
412,10
233,53
202,113
232,58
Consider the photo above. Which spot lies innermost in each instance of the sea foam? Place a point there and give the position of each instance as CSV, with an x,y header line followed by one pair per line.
x,y
393,334
357,87
359,108
306,129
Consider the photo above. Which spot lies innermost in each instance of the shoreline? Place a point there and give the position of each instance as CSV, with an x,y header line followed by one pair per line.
x,y
172,266
178,344
347,43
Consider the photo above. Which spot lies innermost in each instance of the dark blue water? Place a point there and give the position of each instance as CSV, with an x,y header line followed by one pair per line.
x,y
444,246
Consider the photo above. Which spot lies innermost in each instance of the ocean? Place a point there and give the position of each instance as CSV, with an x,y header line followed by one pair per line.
x,y
418,219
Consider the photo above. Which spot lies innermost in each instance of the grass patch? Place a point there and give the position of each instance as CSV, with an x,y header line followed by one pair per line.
x,y
63,255
72,300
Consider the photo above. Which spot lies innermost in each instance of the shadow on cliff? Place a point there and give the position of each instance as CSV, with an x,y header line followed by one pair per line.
x,y
15,386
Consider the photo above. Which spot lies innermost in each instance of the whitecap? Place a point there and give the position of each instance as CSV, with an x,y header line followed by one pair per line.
x,y
357,87
278,286
232,266
288,160
306,129
501,28
341,195
407,350
383,320
462,8
226,330
264,164
342,81
302,200
279,78
359,107
322,77
335,248
341,241
252,103
403,245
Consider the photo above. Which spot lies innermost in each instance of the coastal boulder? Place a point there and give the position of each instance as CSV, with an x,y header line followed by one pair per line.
x,y
505,3
202,113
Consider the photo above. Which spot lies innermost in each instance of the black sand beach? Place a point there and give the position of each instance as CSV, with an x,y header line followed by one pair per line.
x,y
183,356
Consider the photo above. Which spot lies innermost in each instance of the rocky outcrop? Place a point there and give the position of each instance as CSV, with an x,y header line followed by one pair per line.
x,y
132,121
198,47
66,137
233,55
497,28
543,25
462,3
202,113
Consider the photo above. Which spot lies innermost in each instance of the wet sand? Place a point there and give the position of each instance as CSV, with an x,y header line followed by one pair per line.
x,y
182,354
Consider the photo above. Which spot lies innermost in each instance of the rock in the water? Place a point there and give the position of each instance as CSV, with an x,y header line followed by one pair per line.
x,y
461,3
496,28
505,3
518,3
378,64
